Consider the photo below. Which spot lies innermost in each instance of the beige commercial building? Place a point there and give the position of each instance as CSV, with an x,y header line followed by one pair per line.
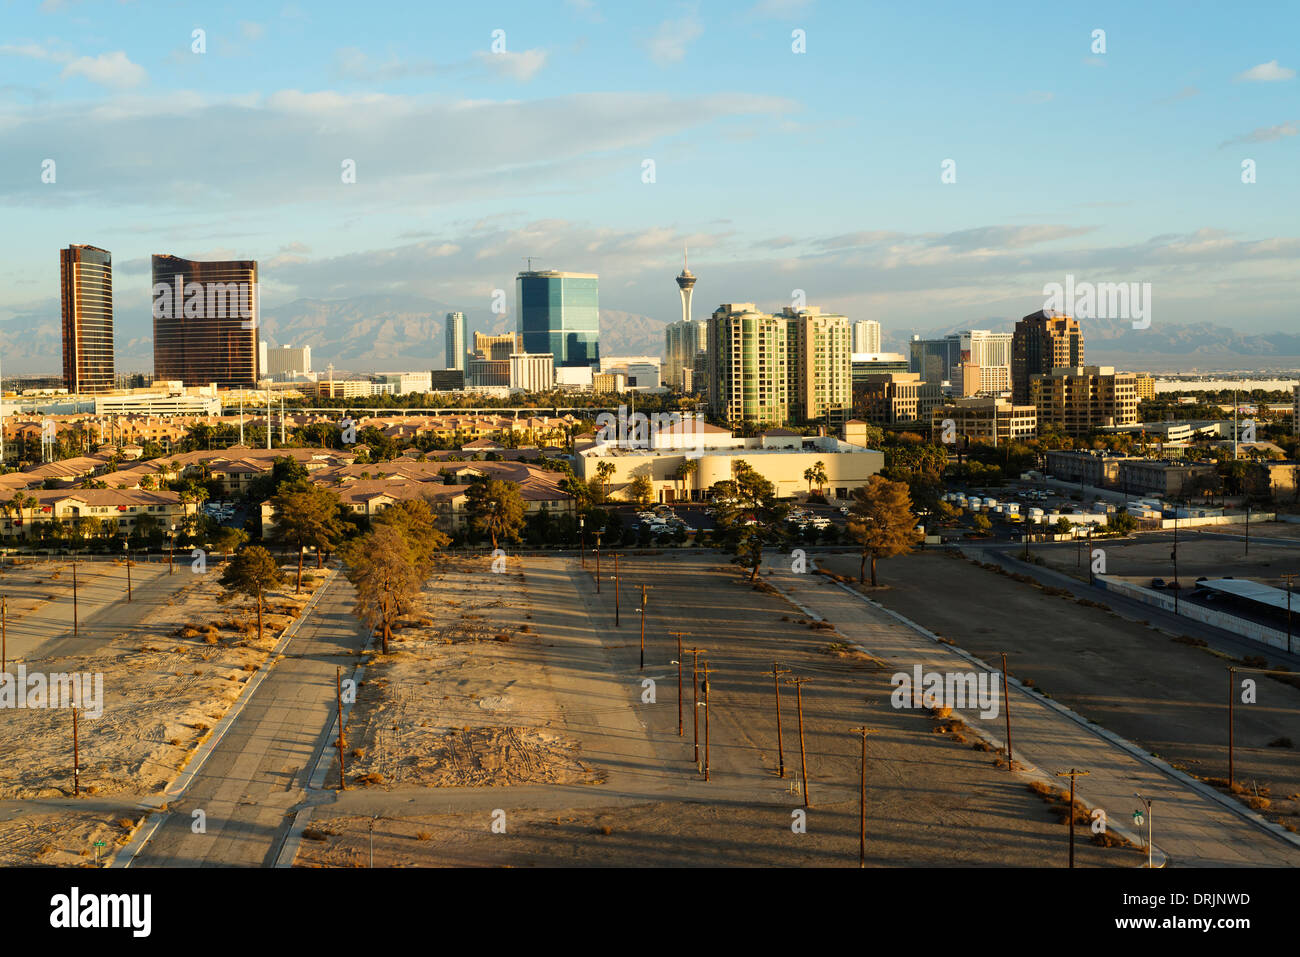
x,y
779,456
1078,399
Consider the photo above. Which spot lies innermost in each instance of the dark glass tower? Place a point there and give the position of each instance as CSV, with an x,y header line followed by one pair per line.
x,y
205,321
86,278
559,313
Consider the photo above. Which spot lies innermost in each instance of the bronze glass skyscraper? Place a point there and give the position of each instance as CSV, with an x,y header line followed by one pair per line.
x,y
205,320
86,278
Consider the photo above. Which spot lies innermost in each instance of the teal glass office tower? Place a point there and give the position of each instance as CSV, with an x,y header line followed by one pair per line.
x,y
559,313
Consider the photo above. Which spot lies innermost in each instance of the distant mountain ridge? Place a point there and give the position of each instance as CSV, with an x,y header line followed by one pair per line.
x,y
393,332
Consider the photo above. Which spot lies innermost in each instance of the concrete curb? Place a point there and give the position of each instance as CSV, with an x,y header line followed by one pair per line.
x,y
128,852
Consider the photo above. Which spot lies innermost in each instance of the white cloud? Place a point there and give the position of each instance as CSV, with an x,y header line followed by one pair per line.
x,y
515,66
670,41
108,69
1268,72
1263,134
250,30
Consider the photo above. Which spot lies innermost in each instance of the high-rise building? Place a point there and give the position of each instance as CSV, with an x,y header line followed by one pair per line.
x,y
455,339
1042,342
1077,399
866,336
286,361
820,365
205,321
86,278
747,365
532,371
935,360
682,341
559,313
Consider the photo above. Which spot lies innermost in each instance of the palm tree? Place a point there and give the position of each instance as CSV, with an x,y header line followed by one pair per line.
x,y
685,469
604,472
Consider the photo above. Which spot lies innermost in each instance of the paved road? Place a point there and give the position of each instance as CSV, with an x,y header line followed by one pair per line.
x,y
260,768
1192,828
1131,608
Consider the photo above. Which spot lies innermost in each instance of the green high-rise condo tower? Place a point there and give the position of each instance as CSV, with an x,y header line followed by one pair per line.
x,y
559,313
748,365
86,278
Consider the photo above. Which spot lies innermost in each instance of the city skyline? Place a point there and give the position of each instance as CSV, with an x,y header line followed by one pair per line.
x,y
1147,129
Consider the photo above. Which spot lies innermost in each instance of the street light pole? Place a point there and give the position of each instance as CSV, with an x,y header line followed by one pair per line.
x,y
862,798
616,621
171,550
126,548
582,539
1288,577
1147,804
598,563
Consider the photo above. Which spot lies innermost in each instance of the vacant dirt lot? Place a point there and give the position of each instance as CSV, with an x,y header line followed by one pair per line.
x,y
1132,679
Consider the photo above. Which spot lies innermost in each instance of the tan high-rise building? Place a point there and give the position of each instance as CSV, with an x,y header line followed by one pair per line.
x,y
86,279
820,365
1041,343
1078,399
985,418
1146,386
205,321
897,398
499,348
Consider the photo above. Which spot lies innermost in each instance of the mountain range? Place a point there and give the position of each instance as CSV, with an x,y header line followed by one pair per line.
x,y
396,332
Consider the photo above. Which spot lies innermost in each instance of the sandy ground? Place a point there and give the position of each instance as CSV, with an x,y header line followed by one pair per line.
x,y
169,675
1128,677
461,701
935,798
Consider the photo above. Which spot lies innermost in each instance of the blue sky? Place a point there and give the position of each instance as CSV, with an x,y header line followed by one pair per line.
x,y
817,170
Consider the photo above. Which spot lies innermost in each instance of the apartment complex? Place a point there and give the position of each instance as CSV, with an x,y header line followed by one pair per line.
x,y
748,365
205,321
984,418
897,398
1078,399
86,282
1041,343
820,365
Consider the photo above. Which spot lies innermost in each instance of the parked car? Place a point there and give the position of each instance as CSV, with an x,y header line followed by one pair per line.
x,y
1158,583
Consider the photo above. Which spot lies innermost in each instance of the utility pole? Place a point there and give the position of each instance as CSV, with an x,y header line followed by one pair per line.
x,y
1232,694
1090,528
1247,525
126,548
616,621
641,610
1071,774
862,798
76,756
582,540
803,754
1006,709
338,698
695,697
4,634
76,631
706,671
598,563
1288,578
1174,556
776,673
679,635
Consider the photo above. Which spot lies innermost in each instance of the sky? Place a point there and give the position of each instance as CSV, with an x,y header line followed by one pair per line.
x,y
790,145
